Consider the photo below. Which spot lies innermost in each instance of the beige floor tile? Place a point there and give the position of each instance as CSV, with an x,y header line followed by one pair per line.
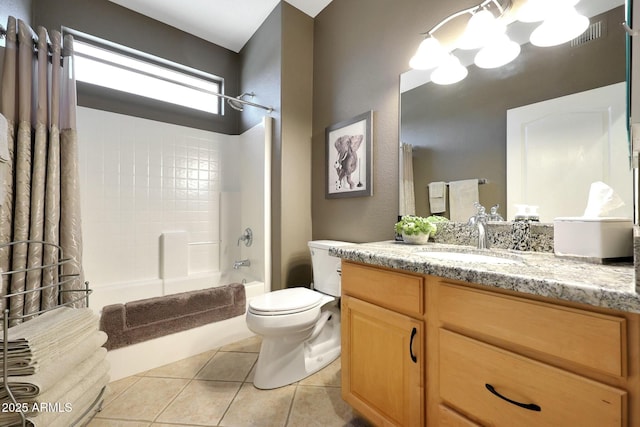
x,y
145,399
252,374
186,368
264,408
201,403
228,366
173,425
116,387
97,422
329,376
249,345
322,407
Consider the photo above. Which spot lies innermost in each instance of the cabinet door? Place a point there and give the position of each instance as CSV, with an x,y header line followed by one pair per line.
x,y
382,363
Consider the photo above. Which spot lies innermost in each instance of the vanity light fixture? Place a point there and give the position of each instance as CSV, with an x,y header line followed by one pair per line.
x,y
483,29
486,31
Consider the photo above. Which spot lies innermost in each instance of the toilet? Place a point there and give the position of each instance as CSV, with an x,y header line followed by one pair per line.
x,y
300,327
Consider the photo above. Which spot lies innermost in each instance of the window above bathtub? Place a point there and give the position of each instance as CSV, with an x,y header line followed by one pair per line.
x,y
129,72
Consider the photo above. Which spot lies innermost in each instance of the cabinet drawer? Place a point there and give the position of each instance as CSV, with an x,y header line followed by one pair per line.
x,y
589,339
396,291
468,368
450,418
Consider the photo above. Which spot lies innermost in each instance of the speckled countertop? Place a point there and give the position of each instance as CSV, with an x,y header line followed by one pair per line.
x,y
610,286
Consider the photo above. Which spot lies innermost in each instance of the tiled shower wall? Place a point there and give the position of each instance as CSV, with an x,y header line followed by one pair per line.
x,y
138,179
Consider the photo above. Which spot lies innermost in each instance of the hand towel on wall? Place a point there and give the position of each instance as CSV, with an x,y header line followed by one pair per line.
x,y
462,195
437,197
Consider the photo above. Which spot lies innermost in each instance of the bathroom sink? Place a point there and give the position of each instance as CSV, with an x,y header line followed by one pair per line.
x,y
468,257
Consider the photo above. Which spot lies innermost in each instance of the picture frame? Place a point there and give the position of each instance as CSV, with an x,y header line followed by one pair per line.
x,y
349,157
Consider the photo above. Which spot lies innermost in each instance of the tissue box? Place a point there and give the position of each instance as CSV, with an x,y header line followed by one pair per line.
x,y
600,238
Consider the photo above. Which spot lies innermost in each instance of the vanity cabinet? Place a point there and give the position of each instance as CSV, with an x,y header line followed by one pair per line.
x,y
424,350
501,359
382,345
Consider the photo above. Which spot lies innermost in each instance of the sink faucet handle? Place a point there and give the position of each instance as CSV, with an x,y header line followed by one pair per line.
x,y
493,213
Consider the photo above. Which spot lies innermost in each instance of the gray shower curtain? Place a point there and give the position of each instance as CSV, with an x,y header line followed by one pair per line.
x,y
41,202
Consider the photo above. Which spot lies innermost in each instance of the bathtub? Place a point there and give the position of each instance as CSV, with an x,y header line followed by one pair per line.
x,y
141,357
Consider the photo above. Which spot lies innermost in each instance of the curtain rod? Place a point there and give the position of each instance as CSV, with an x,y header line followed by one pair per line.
x,y
34,38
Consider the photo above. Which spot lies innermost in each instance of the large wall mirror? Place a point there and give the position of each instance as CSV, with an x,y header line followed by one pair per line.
x,y
460,131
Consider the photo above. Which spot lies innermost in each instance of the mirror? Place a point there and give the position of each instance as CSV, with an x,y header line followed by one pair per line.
x,y
459,131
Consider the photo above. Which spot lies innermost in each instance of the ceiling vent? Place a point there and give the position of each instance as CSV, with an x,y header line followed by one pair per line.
x,y
593,32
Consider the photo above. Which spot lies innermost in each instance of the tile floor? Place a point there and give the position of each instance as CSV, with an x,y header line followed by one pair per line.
x,y
215,389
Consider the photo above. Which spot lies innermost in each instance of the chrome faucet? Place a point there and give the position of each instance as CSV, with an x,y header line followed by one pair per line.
x,y
479,222
241,263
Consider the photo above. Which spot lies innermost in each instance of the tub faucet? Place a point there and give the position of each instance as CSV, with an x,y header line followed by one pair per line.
x,y
241,263
479,222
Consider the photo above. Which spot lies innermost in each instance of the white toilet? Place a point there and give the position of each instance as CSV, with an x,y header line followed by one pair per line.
x,y
300,327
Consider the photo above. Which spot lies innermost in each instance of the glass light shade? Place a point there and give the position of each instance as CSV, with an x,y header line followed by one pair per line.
x,y
449,72
539,10
429,55
481,28
499,52
560,28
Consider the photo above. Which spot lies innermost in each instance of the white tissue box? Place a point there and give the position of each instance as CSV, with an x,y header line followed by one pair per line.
x,y
601,238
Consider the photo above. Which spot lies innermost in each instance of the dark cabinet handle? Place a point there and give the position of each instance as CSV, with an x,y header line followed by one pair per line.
x,y
414,359
529,406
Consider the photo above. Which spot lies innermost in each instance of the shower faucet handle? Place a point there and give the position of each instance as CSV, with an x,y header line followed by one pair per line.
x,y
247,237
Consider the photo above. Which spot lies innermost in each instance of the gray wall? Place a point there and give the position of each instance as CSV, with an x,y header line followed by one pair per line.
x,y
460,131
277,66
360,49
295,173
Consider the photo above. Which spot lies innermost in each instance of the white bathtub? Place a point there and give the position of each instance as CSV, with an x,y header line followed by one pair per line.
x,y
130,360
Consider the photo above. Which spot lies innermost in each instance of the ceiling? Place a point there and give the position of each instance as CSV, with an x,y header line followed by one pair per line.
x,y
227,23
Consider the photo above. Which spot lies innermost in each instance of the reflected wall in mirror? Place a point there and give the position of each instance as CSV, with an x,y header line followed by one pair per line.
x,y
460,131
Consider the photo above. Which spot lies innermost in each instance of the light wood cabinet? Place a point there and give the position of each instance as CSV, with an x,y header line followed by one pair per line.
x,y
500,358
382,353
422,350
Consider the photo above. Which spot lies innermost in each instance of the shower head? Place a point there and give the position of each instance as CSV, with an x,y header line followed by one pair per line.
x,y
233,103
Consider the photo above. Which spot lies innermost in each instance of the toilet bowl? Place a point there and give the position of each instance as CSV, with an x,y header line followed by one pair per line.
x,y
300,327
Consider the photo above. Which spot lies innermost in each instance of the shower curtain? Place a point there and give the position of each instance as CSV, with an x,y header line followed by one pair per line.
x,y
407,194
41,197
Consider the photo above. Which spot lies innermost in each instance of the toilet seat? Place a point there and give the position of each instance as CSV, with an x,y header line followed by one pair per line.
x,y
286,301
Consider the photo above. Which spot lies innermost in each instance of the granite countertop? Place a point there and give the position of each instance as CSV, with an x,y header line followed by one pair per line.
x,y
609,286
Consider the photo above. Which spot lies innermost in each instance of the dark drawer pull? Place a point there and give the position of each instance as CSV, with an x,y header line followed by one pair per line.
x,y
529,406
414,359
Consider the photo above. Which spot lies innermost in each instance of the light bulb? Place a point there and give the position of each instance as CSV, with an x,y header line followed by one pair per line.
x,y
449,72
565,24
498,52
481,28
429,55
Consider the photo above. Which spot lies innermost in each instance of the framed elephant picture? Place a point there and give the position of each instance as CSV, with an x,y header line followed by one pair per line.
x,y
349,159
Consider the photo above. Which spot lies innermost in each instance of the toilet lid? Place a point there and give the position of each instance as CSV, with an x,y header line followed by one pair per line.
x,y
285,301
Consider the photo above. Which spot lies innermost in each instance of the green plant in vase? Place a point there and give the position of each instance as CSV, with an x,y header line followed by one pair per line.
x,y
415,229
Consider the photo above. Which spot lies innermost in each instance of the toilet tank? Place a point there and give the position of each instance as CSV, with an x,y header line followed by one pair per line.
x,y
325,267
